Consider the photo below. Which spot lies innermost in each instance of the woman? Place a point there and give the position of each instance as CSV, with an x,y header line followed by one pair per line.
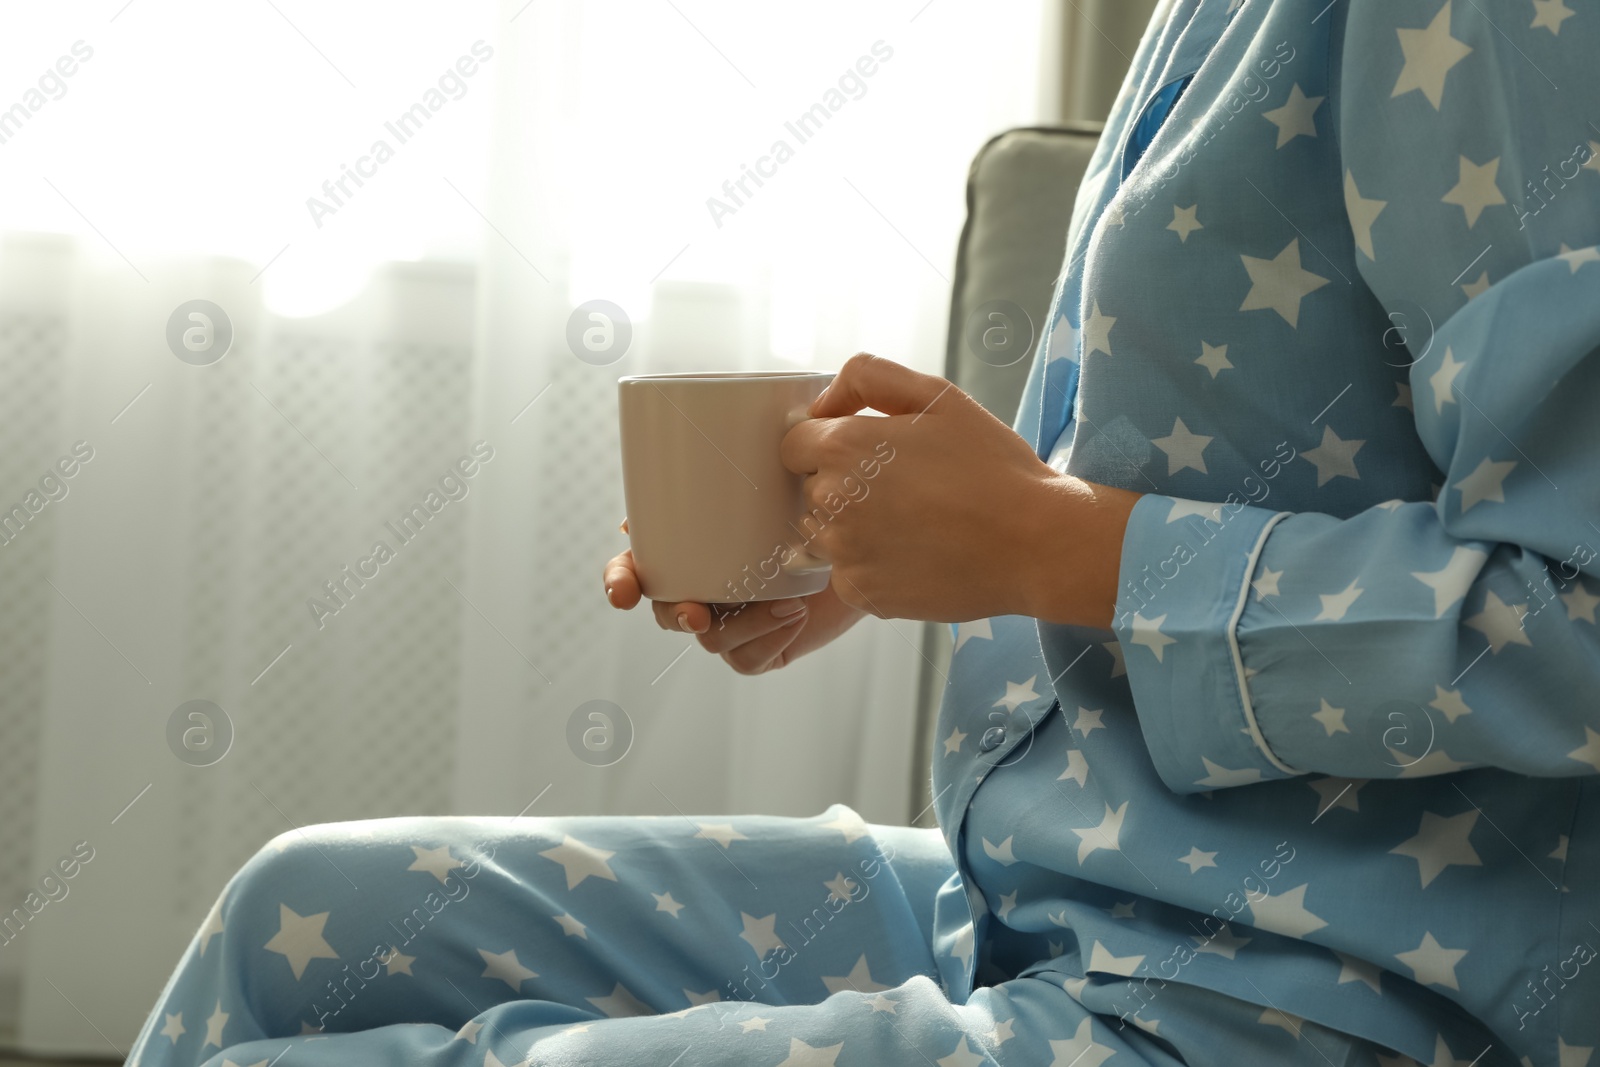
x,y
1273,716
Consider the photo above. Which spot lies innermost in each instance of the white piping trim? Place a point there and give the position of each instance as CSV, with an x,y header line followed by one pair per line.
x,y
1233,647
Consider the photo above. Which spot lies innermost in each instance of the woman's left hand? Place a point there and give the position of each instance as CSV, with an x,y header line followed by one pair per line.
x,y
940,511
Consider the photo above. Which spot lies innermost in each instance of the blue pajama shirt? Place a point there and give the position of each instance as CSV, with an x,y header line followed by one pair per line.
x,y
1325,792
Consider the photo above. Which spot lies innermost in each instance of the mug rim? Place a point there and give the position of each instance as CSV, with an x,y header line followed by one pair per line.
x,y
724,376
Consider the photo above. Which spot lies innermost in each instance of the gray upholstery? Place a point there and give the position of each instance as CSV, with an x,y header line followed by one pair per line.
x,y
1020,192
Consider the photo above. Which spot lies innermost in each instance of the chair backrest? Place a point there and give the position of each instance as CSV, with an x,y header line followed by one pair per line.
x,y
1020,192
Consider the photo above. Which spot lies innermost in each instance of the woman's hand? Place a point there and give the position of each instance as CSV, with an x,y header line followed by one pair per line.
x,y
758,636
942,512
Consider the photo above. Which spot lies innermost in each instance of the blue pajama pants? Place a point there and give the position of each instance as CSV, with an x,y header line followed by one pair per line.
x,y
749,940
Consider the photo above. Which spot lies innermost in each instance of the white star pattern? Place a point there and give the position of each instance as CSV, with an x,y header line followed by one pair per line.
x,y
620,1004
1362,213
1280,283
1429,55
397,962
1077,768
858,980
1197,859
1331,718
1577,257
1500,622
1476,189
1572,1055
1432,963
804,1055
721,832
1589,751
1285,913
214,1025
1443,380
1223,942
1352,969
840,887
1449,702
299,939
1182,509
1101,959
1218,777
1081,1050
849,824
1333,458
505,967
1580,603
580,861
1435,762
961,1057
1017,694
213,924
1296,118
760,934
1550,14
1184,449
1106,835
1334,605
1063,341
572,927
1184,222
1097,333
1486,482
1451,582
1088,721
1000,853
1214,358
1441,841
979,629
1267,584
1147,632
436,861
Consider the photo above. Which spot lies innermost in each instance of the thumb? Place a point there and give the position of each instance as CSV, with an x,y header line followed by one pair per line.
x,y
867,381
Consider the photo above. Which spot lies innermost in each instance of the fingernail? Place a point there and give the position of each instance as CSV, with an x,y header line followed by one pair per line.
x,y
608,592
799,616
783,608
683,622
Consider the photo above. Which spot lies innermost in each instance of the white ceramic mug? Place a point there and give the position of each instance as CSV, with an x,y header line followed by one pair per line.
x,y
713,514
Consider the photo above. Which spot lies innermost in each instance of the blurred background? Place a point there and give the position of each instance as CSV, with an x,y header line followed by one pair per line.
x,y
269,268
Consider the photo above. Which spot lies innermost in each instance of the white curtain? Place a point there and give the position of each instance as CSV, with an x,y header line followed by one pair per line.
x,y
377,339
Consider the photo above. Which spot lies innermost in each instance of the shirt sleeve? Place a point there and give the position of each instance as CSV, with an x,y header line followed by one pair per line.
x,y
1419,637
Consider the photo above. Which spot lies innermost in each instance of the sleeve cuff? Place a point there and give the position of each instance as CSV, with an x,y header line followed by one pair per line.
x,y
1185,575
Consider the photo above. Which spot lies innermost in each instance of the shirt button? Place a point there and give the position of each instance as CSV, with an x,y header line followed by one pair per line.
x,y
992,737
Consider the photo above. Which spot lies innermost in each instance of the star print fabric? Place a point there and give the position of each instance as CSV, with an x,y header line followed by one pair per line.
x,y
495,942
1326,790
1337,318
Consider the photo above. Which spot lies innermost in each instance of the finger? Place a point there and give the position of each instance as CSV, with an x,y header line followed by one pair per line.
x,y
763,653
735,628
867,381
686,617
800,451
622,581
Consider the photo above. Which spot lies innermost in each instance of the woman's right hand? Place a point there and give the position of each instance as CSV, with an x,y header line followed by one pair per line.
x,y
753,637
